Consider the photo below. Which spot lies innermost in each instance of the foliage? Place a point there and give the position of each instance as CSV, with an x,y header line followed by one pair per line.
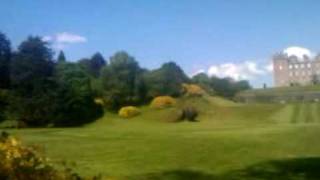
x,y
75,98
46,93
97,63
122,81
192,90
163,102
226,87
5,56
19,162
93,65
129,111
4,100
189,113
32,83
61,57
166,80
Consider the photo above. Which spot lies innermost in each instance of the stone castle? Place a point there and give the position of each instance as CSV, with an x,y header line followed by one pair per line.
x,y
292,71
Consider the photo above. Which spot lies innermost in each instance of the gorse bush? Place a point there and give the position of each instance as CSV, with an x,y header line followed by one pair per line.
x,y
192,90
19,162
163,101
129,112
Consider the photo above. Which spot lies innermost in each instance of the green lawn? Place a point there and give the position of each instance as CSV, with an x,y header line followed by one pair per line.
x,y
230,141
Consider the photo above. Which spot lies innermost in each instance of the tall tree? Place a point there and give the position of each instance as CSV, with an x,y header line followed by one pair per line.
x,y
61,57
5,56
166,80
97,63
122,81
75,98
33,87
93,65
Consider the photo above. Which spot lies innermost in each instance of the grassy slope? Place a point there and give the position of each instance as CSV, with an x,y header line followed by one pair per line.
x,y
229,138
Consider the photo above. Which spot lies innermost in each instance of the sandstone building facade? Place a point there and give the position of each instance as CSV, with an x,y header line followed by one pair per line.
x,y
291,71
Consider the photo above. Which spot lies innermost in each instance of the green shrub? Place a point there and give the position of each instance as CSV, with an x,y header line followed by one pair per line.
x,y
129,112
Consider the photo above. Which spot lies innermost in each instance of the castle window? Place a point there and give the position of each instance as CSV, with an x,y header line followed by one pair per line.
x,y
290,66
296,66
280,67
290,74
302,65
309,65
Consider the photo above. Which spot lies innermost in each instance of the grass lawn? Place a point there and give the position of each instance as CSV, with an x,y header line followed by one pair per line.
x,y
230,141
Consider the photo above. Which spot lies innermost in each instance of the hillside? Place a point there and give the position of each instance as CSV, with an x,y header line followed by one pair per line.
x,y
280,94
229,139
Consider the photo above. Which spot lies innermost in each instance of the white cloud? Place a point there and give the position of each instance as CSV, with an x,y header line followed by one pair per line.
x,y
300,52
47,38
61,40
269,67
247,70
70,38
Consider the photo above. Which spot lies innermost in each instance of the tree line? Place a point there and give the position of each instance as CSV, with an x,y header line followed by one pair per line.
x,y
40,90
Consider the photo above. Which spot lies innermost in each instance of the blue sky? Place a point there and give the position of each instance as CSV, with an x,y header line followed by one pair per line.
x,y
216,36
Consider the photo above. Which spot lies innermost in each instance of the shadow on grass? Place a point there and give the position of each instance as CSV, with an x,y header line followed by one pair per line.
x,y
176,175
291,169
300,168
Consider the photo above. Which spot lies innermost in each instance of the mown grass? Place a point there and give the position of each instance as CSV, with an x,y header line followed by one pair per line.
x,y
230,141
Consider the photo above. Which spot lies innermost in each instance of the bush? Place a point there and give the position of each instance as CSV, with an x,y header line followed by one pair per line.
x,y
163,101
19,162
192,90
99,101
189,113
129,112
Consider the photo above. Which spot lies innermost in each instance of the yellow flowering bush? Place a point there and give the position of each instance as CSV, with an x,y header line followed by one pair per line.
x,y
128,111
192,90
19,162
99,101
162,102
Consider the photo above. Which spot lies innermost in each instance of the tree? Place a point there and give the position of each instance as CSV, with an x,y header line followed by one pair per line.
x,y
5,56
166,80
226,87
75,99
61,57
32,84
203,80
93,65
122,81
97,63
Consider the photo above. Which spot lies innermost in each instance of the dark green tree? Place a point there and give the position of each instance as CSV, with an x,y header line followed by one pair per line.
x,y
32,84
93,65
203,80
166,80
5,56
75,99
97,63
122,81
61,57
